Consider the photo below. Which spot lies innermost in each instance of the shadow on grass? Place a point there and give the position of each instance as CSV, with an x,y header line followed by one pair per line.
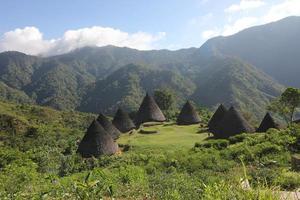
x,y
148,132
170,124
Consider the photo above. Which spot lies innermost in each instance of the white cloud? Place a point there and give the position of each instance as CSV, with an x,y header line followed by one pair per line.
x,y
282,10
239,25
231,29
244,5
275,12
30,40
210,34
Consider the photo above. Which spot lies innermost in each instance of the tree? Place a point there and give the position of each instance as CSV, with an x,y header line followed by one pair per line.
x,y
165,99
287,104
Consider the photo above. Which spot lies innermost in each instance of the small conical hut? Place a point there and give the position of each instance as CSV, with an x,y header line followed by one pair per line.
x,y
233,123
188,115
108,126
97,142
122,121
149,111
266,123
216,118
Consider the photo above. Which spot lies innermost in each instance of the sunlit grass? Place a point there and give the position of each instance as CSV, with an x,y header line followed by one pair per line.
x,y
168,135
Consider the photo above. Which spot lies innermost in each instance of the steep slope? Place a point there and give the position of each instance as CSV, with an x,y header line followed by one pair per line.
x,y
17,68
273,48
58,85
233,82
61,81
127,86
10,94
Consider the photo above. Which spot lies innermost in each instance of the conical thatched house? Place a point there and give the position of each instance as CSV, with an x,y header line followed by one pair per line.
x,y
108,126
97,142
232,124
266,123
297,121
149,112
216,118
122,121
188,115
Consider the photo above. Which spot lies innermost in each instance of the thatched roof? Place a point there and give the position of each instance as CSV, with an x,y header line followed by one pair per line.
x,y
97,142
216,118
108,126
297,121
188,115
232,124
266,123
149,112
122,121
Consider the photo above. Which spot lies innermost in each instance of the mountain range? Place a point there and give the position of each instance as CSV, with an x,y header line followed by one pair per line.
x,y
247,69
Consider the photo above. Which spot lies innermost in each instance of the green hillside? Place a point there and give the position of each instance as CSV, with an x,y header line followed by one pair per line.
x,y
16,69
127,86
233,82
73,81
38,160
255,64
10,94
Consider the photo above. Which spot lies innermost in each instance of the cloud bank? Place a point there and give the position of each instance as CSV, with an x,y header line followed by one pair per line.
x,y
244,5
30,40
275,12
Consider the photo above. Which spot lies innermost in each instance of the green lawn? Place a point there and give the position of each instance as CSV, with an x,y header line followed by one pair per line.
x,y
168,136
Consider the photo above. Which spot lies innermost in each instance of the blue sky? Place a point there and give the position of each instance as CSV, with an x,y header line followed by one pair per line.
x,y
58,26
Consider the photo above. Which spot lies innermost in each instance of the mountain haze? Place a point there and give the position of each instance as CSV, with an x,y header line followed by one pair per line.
x,y
274,48
234,82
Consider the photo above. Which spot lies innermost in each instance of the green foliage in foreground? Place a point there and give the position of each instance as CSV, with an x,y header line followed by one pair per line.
x,y
38,160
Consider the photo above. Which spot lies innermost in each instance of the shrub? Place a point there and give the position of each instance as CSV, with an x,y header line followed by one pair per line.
x,y
288,180
237,138
216,144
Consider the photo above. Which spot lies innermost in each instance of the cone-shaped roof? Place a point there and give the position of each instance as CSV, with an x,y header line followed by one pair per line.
x,y
216,118
232,124
266,123
122,121
149,111
188,115
108,126
297,121
97,142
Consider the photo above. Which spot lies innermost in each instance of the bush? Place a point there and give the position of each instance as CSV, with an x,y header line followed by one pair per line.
x,y
237,138
288,180
216,144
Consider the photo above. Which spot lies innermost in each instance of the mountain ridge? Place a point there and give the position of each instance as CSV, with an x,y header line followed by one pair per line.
x,y
273,48
86,76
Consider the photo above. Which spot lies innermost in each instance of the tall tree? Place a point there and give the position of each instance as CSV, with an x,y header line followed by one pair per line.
x,y
287,104
165,99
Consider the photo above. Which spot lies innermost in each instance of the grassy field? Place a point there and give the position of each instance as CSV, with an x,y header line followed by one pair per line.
x,y
168,136
38,159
